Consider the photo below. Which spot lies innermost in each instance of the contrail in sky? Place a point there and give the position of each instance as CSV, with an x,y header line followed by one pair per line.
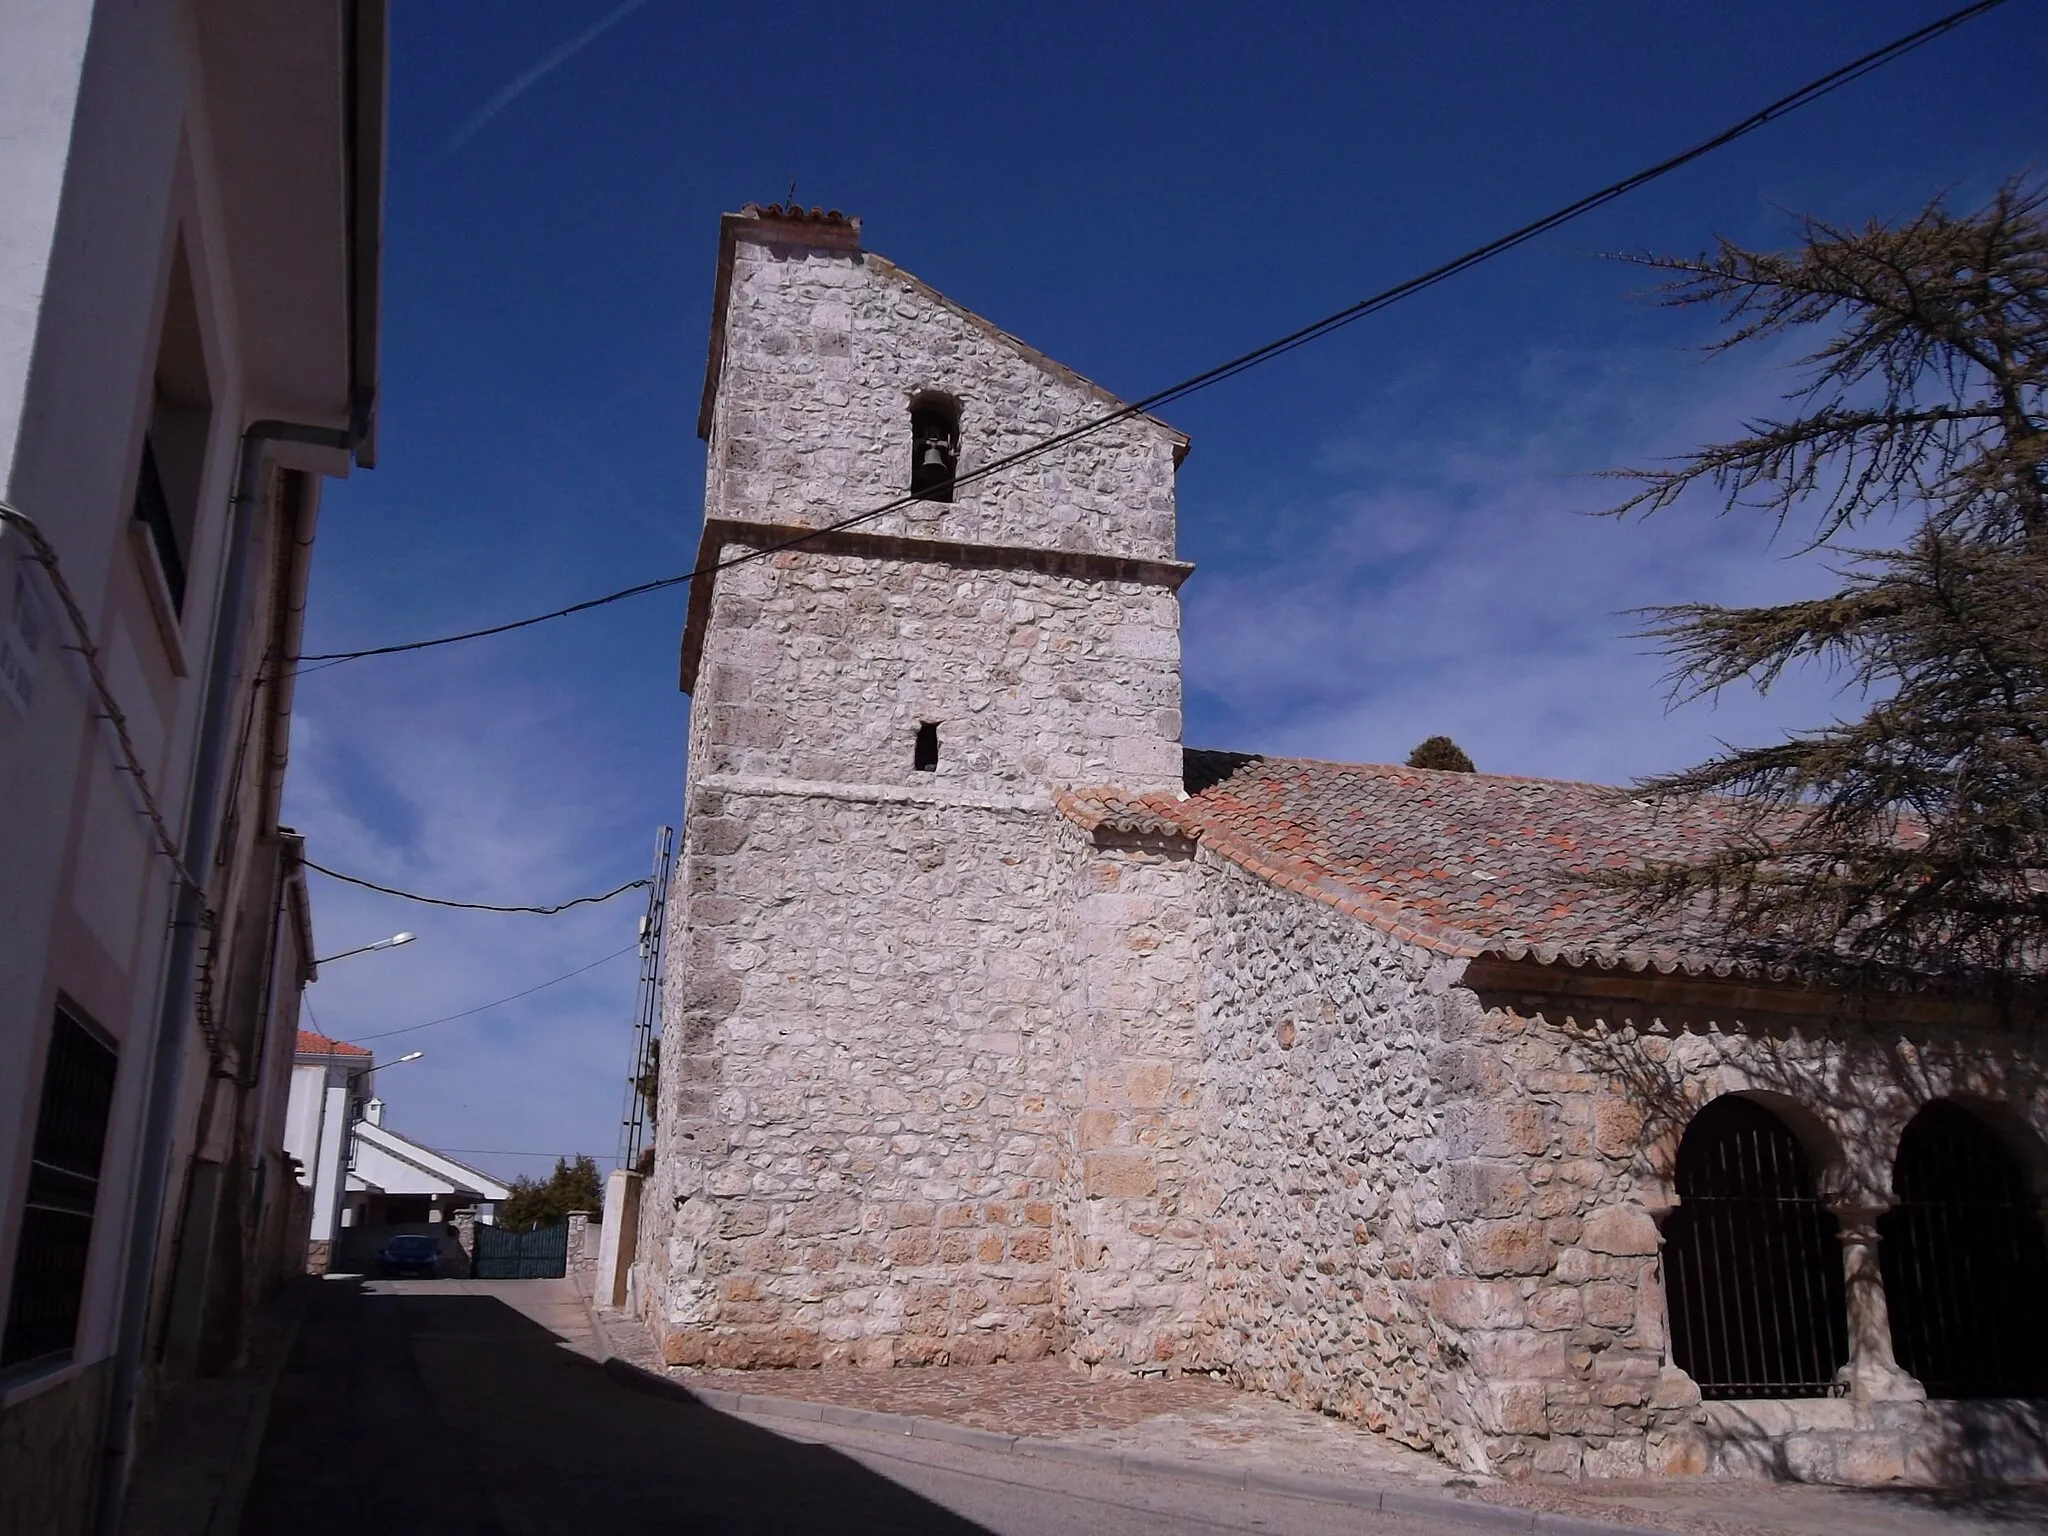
x,y
522,83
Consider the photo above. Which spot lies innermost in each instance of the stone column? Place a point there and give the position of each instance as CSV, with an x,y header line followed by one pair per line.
x,y
465,1230
1874,1374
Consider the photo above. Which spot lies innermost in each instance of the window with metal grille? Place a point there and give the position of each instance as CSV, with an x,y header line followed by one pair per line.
x,y
1965,1265
1752,1261
63,1186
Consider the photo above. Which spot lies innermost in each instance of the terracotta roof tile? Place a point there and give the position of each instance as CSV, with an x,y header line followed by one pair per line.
x,y
1462,863
311,1044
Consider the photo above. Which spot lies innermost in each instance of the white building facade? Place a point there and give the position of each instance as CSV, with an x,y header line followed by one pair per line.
x,y
361,1177
188,320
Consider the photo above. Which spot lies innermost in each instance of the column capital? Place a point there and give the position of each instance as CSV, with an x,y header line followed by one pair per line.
x,y
1857,1213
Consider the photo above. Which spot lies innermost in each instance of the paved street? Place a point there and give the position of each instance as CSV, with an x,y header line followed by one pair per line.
x,y
470,1409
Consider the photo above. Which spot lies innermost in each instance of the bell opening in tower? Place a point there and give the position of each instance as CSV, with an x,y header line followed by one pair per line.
x,y
934,447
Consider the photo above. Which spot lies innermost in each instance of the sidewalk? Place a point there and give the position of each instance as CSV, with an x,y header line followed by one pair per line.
x,y
198,1454
1192,1426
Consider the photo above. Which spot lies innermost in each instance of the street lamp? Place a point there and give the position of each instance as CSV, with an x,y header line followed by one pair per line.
x,y
391,943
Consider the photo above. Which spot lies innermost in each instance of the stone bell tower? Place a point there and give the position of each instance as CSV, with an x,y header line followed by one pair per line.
x,y
857,1143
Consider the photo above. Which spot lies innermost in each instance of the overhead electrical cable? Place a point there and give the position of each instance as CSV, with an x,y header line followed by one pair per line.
x,y
472,906
1807,94
449,1018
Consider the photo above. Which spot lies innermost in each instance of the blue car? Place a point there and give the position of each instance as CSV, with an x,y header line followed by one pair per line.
x,y
410,1254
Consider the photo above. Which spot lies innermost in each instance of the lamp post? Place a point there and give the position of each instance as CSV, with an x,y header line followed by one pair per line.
x,y
391,943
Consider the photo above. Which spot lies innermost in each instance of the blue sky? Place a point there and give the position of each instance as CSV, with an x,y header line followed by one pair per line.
x,y
1389,526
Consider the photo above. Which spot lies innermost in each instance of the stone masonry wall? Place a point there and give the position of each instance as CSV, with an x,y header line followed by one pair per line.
x,y
820,668
1437,1203
1132,1200
856,1086
1560,1177
824,352
1325,1106
50,1456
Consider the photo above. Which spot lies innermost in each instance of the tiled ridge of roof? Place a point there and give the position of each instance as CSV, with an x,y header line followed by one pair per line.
x,y
796,213
311,1044
1464,864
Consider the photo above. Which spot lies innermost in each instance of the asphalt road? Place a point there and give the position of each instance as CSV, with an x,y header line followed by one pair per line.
x,y
424,1410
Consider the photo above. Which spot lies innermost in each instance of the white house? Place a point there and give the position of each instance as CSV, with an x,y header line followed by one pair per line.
x,y
190,222
365,1179
331,1083
397,1182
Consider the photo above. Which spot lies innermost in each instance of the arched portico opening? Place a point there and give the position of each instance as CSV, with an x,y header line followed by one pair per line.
x,y
1964,1259
1752,1260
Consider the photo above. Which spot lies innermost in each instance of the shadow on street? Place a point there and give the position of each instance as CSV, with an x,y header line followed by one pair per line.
x,y
454,1415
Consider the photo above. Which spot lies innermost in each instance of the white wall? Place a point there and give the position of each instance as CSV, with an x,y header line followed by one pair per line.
x,y
39,82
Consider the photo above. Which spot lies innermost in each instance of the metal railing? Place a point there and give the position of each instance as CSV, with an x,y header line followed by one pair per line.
x,y
1964,1261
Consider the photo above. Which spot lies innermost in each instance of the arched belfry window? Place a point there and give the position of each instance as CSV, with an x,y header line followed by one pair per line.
x,y
1965,1268
1752,1262
934,446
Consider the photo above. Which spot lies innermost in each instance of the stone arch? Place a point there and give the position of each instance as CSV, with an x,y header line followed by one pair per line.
x,y
1752,1261
1964,1254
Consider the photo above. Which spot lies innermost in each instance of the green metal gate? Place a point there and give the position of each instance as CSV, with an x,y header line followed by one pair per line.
x,y
542,1254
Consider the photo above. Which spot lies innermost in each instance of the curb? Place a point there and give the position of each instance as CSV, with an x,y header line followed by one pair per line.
x,y
1405,1501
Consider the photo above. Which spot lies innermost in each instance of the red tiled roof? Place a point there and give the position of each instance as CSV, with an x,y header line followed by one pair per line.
x,y
311,1044
1461,863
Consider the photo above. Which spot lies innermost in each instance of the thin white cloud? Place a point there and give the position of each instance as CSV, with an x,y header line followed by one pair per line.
x,y
1457,586
471,779
524,82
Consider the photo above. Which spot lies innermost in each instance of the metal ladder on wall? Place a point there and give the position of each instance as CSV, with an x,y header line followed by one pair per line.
x,y
636,1118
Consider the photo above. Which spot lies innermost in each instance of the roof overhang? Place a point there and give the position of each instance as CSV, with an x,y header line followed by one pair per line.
x,y
436,1167
1648,997
296,99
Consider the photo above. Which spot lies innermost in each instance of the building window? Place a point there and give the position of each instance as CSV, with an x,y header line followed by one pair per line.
x,y
167,480
934,446
153,509
63,1187
1752,1262
1965,1268
924,756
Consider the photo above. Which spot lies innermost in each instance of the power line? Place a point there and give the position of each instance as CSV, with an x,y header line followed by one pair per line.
x,y
503,1152
1314,331
447,1018
469,906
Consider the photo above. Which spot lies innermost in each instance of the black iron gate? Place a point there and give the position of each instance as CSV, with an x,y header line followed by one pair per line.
x,y
1752,1265
1965,1265
542,1254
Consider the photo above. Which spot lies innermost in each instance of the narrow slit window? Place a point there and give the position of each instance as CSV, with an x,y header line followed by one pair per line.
x,y
926,758
934,448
